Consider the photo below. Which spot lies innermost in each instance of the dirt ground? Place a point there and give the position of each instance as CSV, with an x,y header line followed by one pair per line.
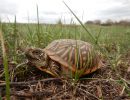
x,y
104,84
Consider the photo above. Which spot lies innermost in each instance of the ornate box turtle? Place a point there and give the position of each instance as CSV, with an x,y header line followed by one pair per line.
x,y
65,57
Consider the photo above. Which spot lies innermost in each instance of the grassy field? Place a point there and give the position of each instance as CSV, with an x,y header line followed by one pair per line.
x,y
40,35
17,36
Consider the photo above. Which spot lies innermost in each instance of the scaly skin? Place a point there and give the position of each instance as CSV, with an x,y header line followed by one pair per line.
x,y
38,58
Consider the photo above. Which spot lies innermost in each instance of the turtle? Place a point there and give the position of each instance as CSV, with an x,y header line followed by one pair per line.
x,y
65,58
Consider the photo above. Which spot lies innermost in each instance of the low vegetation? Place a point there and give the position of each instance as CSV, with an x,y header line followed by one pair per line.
x,y
108,83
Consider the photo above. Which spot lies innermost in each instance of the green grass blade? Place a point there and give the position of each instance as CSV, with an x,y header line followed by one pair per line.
x,y
93,38
38,27
5,63
97,38
15,38
0,98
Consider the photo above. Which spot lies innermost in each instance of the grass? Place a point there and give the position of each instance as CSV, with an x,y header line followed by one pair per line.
x,y
27,35
5,63
39,35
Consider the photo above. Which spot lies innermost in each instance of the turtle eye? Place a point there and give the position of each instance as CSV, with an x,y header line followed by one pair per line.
x,y
36,52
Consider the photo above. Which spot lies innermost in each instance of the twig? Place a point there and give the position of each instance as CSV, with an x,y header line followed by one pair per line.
x,y
89,93
29,82
58,93
30,94
22,94
122,92
2,74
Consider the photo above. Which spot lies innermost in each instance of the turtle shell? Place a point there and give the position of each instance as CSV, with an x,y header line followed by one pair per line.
x,y
74,55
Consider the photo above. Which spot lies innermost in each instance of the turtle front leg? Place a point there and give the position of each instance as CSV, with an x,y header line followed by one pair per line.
x,y
55,68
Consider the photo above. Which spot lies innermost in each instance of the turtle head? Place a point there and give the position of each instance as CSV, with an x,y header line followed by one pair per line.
x,y
36,56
